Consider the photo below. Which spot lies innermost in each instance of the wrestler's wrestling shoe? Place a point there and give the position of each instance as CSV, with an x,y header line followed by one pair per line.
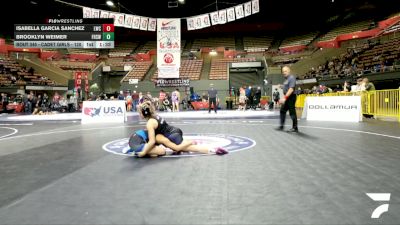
x,y
127,150
221,151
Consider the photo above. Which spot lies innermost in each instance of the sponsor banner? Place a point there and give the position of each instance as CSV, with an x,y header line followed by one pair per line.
x,y
87,12
255,6
214,18
222,17
103,112
247,9
190,23
338,109
136,22
173,83
239,11
128,21
104,14
168,47
144,23
152,24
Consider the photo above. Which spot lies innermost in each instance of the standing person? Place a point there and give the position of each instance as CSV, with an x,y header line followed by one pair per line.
x,y
121,96
175,100
161,99
212,98
289,99
135,98
276,95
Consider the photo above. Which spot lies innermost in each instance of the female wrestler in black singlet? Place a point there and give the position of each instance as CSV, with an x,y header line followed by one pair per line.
x,y
158,129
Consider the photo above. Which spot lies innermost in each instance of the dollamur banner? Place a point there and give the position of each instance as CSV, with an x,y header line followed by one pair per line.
x,y
168,47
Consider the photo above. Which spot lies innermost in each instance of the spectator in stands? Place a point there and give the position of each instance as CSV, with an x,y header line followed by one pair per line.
x,y
135,98
212,98
368,85
161,99
129,102
4,101
257,98
175,98
37,105
242,98
148,94
121,96
276,96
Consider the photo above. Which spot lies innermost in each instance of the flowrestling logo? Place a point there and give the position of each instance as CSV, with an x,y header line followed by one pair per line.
x,y
231,143
379,197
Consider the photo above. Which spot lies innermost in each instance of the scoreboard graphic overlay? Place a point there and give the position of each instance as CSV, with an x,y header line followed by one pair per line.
x,y
66,33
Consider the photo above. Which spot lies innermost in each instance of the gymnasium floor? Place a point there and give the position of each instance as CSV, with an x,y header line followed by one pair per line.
x,y
57,172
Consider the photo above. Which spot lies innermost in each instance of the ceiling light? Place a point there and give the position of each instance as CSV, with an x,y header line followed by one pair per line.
x,y
110,3
181,1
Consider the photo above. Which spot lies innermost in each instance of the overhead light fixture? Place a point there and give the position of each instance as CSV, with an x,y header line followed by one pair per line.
x,y
110,3
181,1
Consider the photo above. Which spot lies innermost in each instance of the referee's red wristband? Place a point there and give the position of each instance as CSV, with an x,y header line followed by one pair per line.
x,y
286,97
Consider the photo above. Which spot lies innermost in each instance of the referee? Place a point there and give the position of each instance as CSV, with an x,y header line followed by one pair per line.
x,y
289,99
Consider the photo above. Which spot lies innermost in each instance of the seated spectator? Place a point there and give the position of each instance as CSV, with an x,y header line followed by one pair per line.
x,y
368,85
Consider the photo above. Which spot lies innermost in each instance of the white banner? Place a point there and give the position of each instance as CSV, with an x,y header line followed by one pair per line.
x,y
95,13
247,9
104,14
222,17
113,16
255,5
119,20
214,18
87,12
239,12
103,112
190,23
231,14
128,21
136,22
152,24
198,22
206,20
338,109
168,47
144,21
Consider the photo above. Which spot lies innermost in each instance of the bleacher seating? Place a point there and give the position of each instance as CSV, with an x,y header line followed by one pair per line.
x,y
298,40
119,62
257,44
227,42
12,73
83,51
149,45
123,49
72,65
219,67
386,51
139,70
190,69
359,26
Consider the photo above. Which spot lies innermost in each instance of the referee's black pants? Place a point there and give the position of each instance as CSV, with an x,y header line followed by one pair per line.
x,y
211,101
289,105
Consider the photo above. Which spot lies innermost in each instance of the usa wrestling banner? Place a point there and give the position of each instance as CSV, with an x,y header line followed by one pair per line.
x,y
168,47
172,83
